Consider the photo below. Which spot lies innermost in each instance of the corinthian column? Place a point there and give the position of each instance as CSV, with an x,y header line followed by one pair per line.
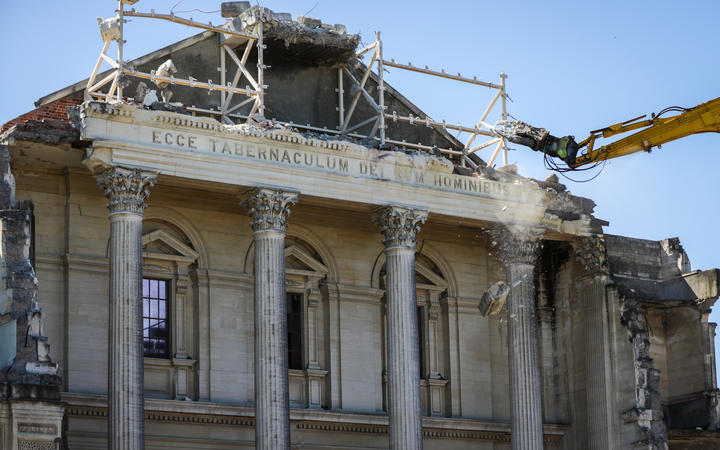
x,y
518,250
127,190
592,301
400,226
269,210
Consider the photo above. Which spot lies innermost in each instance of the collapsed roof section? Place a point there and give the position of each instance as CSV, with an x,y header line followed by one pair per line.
x,y
317,82
306,39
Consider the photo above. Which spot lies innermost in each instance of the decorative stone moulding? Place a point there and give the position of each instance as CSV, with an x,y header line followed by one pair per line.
x,y
400,226
517,245
127,189
592,254
270,209
279,133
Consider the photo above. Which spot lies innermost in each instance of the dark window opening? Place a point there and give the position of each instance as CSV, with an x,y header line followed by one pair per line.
x,y
294,330
156,332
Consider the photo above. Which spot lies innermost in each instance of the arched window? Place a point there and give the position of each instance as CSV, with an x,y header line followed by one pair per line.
x,y
168,312
304,270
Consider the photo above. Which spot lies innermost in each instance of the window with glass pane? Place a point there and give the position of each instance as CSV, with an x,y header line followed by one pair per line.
x,y
155,318
294,327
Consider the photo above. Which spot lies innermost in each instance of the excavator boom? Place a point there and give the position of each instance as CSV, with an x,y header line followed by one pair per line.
x,y
703,118
654,132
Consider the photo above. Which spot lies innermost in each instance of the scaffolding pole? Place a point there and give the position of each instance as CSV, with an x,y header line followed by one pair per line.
x,y
381,88
341,99
504,114
261,69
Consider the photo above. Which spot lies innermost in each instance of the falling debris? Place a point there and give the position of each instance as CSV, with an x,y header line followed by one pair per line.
x,y
166,69
493,300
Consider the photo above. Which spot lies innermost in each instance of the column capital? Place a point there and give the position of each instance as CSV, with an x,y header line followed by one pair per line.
x,y
126,188
592,254
400,225
517,245
269,208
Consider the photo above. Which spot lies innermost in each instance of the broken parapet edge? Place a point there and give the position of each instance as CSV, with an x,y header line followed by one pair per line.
x,y
30,373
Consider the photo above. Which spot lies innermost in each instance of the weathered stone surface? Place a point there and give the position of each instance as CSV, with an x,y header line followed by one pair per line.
x,y
46,131
126,190
233,9
648,412
269,210
519,251
309,22
399,227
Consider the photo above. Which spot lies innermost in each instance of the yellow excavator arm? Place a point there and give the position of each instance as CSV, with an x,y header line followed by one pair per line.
x,y
703,118
654,132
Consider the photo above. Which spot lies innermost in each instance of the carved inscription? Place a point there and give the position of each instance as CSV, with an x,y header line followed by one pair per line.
x,y
177,139
276,154
336,164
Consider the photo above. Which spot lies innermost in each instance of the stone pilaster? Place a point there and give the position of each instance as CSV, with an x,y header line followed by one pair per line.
x,y
400,227
519,251
126,190
598,392
269,210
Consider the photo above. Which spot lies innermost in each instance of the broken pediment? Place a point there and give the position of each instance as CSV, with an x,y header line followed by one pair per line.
x,y
427,276
297,259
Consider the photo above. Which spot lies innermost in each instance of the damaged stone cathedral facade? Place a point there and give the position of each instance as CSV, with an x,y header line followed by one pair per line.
x,y
174,281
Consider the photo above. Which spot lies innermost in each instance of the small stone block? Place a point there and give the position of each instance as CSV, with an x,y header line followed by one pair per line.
x,y
282,17
309,22
493,300
233,9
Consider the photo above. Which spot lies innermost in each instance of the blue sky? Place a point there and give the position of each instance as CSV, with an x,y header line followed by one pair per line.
x,y
573,66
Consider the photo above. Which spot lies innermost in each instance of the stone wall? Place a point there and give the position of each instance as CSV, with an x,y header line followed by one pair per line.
x,y
30,411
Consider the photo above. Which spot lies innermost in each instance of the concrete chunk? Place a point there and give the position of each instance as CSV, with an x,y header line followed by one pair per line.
x,y
309,22
233,9
282,17
493,300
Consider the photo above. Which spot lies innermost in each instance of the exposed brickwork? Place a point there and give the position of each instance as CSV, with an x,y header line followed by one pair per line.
x,y
56,110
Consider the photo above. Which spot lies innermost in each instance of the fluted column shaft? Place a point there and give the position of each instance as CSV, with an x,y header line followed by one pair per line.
x,y
519,254
400,226
598,393
269,210
127,190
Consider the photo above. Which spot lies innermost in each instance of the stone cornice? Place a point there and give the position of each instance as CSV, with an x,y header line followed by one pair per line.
x,y
466,305
87,263
49,262
351,293
226,278
206,413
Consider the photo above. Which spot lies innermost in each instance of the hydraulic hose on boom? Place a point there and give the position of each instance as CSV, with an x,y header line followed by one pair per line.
x,y
657,130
